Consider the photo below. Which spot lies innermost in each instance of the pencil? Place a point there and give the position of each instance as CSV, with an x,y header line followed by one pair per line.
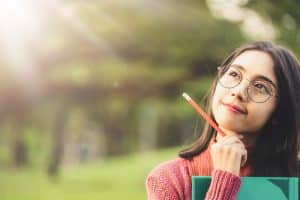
x,y
202,113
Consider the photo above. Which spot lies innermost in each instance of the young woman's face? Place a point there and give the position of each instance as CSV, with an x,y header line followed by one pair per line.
x,y
234,107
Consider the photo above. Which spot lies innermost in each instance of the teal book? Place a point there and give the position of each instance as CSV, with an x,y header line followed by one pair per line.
x,y
253,188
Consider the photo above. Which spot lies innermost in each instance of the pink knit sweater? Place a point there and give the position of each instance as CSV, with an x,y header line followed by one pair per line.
x,y
172,180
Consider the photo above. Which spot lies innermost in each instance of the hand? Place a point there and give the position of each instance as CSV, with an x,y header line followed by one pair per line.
x,y
229,154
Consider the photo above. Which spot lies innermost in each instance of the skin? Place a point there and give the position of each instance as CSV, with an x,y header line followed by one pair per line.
x,y
241,128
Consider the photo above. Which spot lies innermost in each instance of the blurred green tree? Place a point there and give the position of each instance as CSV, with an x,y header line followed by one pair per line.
x,y
285,16
125,65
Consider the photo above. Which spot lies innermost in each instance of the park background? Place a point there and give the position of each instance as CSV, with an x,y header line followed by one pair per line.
x,y
90,90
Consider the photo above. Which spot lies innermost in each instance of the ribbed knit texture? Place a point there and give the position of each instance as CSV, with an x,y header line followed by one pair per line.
x,y
224,186
172,180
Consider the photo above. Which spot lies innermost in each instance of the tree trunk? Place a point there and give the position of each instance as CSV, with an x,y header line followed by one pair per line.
x,y
20,151
58,143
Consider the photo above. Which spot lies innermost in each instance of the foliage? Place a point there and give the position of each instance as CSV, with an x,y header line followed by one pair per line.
x,y
285,16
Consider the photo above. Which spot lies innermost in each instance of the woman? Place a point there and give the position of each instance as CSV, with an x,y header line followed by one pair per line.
x,y
255,100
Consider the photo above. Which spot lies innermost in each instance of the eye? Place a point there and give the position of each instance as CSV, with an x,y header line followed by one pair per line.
x,y
233,73
262,87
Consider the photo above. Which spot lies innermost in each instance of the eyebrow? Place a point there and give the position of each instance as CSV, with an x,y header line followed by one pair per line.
x,y
257,76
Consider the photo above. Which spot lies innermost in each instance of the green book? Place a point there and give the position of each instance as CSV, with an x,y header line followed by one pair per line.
x,y
253,188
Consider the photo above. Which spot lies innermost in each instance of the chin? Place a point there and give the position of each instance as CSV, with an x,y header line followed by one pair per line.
x,y
231,125
238,127
235,129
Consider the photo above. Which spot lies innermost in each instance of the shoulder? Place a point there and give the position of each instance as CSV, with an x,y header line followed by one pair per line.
x,y
176,167
172,177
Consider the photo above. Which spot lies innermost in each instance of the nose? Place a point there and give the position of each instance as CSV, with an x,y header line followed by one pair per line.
x,y
240,91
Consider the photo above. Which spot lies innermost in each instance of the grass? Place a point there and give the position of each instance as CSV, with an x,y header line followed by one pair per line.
x,y
115,178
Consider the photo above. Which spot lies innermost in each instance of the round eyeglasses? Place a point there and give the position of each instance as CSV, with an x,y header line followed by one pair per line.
x,y
259,90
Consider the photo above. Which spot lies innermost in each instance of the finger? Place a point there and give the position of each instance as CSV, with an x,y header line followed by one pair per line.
x,y
227,140
240,136
243,154
215,151
244,157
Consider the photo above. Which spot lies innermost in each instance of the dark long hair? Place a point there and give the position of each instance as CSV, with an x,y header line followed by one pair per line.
x,y
276,149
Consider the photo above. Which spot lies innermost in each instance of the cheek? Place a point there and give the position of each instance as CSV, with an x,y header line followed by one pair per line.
x,y
214,104
261,114
218,94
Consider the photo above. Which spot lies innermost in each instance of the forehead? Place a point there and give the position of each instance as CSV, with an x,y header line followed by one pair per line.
x,y
256,63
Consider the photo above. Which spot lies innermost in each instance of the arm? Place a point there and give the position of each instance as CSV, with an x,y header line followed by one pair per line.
x,y
161,186
227,156
159,189
224,186
169,181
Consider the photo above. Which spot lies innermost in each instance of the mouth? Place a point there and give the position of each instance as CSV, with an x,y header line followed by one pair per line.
x,y
234,108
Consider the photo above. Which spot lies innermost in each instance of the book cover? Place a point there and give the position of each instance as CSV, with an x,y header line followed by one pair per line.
x,y
253,188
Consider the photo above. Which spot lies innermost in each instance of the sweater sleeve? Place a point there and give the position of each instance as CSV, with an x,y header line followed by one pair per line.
x,y
160,189
171,181
168,181
224,186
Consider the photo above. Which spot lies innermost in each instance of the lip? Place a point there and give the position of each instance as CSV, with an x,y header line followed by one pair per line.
x,y
234,108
